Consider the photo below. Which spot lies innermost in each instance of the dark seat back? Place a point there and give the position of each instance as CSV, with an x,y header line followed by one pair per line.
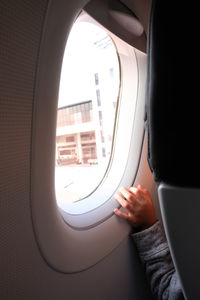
x,y
172,111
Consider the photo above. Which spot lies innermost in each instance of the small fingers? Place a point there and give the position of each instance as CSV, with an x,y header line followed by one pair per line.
x,y
127,217
125,204
121,214
144,193
139,192
128,194
142,189
134,191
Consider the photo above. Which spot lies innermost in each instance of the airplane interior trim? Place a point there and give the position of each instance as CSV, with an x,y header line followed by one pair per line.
x,y
79,223
129,60
116,17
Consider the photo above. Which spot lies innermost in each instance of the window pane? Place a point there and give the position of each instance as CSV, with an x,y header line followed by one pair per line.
x,y
89,86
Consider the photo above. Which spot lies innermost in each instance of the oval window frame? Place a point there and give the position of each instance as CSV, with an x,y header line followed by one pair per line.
x,y
74,207
92,210
65,248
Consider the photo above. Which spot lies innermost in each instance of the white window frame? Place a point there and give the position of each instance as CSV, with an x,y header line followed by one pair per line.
x,y
83,239
122,169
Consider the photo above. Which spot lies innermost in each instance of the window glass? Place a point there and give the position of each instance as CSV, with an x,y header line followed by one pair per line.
x,y
89,89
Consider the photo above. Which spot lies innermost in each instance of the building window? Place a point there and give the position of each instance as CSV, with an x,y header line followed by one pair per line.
x,y
102,137
88,136
98,97
103,152
70,139
111,72
100,118
74,114
96,77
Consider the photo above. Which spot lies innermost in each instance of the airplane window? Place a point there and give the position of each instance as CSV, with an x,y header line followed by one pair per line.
x,y
87,106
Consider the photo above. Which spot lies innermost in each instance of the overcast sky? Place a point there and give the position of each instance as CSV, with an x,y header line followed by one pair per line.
x,y
85,52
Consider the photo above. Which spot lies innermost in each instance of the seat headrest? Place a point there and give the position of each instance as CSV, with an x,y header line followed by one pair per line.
x,y
172,100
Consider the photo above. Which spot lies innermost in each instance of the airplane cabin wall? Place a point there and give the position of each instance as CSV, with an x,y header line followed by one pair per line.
x,y
24,273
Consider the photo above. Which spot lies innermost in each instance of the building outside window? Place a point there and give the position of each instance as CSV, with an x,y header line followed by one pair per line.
x,y
96,77
98,97
89,86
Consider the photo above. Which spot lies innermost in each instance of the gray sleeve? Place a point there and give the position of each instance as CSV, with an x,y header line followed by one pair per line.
x,y
154,253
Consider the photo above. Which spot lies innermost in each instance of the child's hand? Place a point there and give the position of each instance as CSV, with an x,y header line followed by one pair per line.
x,y
138,203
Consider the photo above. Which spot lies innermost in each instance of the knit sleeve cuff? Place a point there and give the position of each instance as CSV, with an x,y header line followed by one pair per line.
x,y
150,241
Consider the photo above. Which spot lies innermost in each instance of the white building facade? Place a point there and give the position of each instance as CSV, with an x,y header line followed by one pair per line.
x,y
85,125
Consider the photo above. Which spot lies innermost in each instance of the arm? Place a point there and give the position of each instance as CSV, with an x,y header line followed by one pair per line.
x,y
150,242
155,256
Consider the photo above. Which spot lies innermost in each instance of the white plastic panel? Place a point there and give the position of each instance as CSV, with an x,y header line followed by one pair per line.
x,y
128,139
94,235
180,208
